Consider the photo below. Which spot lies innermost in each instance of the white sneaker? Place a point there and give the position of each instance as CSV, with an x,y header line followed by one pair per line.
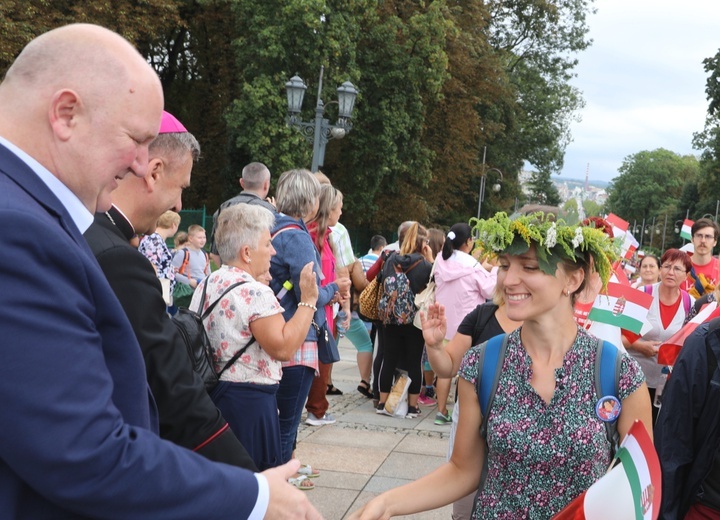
x,y
315,421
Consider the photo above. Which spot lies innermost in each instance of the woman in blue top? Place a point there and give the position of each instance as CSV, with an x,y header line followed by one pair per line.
x,y
545,443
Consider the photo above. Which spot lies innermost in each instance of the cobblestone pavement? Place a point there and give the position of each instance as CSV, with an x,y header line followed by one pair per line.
x,y
363,453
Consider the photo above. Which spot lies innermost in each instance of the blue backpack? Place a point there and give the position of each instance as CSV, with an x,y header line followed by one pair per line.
x,y
607,375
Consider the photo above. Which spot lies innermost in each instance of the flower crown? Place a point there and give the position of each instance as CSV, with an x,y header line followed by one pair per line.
x,y
554,241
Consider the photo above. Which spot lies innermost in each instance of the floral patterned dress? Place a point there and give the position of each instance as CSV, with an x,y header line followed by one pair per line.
x,y
541,456
154,248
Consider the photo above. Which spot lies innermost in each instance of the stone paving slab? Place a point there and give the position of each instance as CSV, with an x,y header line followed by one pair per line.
x,y
363,453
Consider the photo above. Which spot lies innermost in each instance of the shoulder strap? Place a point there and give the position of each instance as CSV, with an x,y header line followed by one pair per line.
x,y
607,377
213,304
289,226
648,289
186,259
207,312
686,301
489,371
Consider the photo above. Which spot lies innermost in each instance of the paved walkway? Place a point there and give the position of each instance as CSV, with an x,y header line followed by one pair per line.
x,y
363,453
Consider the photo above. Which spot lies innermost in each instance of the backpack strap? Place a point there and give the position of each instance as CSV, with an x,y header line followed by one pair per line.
x,y
207,312
287,284
490,364
607,376
489,371
686,301
186,260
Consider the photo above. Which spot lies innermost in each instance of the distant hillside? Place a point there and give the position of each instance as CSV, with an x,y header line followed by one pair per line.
x,y
591,182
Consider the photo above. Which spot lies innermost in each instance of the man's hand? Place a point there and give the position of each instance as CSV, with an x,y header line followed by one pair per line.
x,y
286,501
271,200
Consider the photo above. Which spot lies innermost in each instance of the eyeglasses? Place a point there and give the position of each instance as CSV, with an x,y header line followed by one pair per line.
x,y
700,236
676,269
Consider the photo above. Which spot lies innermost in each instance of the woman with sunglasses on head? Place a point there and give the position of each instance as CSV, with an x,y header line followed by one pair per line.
x,y
545,442
667,314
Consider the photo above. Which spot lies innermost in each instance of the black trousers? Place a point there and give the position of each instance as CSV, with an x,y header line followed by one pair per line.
x,y
403,348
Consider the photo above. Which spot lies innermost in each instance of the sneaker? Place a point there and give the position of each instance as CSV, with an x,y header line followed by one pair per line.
x,y
413,411
381,410
319,421
426,401
442,420
430,392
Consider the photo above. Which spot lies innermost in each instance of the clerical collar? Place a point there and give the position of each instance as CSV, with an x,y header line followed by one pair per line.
x,y
120,221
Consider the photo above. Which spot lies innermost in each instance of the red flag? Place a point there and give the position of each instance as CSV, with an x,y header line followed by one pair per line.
x,y
668,352
620,273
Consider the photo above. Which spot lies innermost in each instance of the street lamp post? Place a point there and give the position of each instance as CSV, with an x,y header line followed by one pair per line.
x,y
483,178
320,131
678,228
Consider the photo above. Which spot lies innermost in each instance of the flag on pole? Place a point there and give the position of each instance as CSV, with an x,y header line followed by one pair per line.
x,y
622,306
686,231
631,490
669,350
618,274
619,226
629,245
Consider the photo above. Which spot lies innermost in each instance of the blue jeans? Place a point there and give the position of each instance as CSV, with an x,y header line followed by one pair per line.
x,y
291,397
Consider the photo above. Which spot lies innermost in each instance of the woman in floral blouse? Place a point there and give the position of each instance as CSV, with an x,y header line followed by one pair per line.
x,y
156,250
545,442
250,318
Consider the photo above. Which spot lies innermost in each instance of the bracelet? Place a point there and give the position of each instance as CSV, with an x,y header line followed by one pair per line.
x,y
310,305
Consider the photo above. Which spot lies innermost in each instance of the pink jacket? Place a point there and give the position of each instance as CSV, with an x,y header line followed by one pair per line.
x,y
462,284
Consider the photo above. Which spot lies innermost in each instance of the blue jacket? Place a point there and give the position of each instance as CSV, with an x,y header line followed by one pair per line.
x,y
294,248
78,434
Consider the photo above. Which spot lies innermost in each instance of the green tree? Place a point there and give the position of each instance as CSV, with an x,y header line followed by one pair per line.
x,y
649,183
542,190
592,208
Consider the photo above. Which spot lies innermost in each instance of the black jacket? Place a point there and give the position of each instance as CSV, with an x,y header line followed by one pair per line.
x,y
687,432
188,417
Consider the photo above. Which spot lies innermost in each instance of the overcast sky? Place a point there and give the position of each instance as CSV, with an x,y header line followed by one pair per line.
x,y
642,80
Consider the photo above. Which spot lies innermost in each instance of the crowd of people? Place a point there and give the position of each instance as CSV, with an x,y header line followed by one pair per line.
x,y
103,406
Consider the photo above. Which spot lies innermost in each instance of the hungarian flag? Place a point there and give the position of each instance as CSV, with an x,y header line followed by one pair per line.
x,y
618,274
629,245
622,306
669,350
631,490
686,231
619,226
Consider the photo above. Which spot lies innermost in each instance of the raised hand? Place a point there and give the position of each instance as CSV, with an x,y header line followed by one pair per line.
x,y
434,325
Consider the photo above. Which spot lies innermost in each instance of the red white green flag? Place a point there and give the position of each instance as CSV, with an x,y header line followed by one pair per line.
x,y
619,226
631,490
686,231
669,350
622,306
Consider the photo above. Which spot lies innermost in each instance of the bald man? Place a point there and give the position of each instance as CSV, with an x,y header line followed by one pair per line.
x,y
78,110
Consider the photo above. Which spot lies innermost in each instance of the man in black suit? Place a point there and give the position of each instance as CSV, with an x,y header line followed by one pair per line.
x,y
188,416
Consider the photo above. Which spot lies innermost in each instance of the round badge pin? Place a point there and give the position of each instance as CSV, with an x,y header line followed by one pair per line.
x,y
608,408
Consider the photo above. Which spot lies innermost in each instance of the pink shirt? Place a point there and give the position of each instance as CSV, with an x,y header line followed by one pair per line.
x,y
462,283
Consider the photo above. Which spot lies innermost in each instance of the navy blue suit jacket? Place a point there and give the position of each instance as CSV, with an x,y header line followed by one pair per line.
x,y
78,426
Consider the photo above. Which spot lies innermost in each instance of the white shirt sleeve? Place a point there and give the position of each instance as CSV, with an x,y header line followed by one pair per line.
x,y
263,498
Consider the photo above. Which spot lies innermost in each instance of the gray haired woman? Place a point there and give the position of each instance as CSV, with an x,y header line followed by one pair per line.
x,y
247,331
297,199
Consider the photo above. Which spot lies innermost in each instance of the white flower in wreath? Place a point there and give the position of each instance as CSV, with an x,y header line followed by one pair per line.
x,y
551,238
579,239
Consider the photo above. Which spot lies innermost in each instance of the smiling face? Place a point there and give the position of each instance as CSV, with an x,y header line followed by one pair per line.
x,y
528,292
